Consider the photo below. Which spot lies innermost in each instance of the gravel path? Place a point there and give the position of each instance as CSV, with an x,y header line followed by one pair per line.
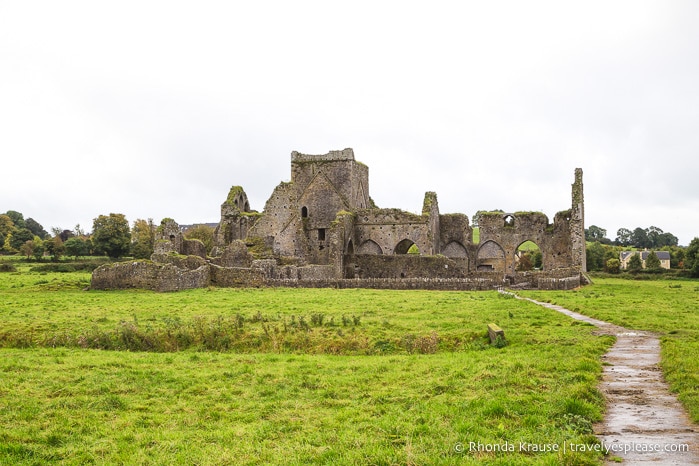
x,y
644,422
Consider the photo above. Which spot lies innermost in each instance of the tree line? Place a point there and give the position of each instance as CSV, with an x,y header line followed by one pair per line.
x,y
111,236
603,253
643,238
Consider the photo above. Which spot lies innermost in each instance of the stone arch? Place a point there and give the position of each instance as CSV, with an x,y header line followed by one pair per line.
x,y
455,250
350,248
369,247
525,256
404,247
304,212
491,257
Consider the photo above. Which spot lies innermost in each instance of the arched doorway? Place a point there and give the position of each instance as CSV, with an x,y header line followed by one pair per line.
x,y
406,246
528,257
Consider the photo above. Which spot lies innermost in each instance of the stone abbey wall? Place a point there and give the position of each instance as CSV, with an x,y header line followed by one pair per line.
x,y
323,229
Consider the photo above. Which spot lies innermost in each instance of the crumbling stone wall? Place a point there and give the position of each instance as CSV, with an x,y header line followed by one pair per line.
x,y
169,239
236,220
455,237
236,254
392,230
236,277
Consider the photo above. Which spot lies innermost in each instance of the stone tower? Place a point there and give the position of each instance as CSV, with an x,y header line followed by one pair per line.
x,y
577,223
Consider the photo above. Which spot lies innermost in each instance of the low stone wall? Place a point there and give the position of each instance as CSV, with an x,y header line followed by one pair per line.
x,y
148,275
236,277
567,283
408,266
454,284
136,274
182,273
171,278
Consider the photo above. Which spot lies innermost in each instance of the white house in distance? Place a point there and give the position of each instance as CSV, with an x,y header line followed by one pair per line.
x,y
625,256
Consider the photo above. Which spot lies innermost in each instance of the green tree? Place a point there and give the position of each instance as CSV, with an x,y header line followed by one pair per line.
x,y
676,257
39,248
639,238
623,237
595,257
652,261
76,247
142,238
19,237
613,265
6,228
635,263
203,233
36,228
691,257
654,234
112,235
17,218
27,249
55,247
667,239
595,233
538,259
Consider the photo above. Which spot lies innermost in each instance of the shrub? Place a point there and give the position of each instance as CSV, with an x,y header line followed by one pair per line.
x,y
500,342
613,266
64,268
5,267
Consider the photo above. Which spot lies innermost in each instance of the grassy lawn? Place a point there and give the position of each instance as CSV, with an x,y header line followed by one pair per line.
x,y
668,307
233,376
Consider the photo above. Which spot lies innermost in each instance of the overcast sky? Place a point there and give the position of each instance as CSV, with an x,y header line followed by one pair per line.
x,y
155,108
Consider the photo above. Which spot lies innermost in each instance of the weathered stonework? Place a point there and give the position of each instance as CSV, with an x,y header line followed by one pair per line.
x,y
322,229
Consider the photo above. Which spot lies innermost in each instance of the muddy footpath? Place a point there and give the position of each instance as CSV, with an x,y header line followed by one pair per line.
x,y
644,422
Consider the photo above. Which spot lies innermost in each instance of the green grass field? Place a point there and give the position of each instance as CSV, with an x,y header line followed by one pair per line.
x,y
287,376
668,307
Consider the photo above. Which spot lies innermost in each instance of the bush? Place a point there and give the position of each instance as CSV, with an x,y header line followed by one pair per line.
x,y
613,266
5,267
64,268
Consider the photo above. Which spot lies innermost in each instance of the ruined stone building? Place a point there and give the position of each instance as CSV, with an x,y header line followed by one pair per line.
x,y
323,229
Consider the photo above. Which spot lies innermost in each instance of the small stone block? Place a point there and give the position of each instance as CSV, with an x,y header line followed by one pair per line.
x,y
494,331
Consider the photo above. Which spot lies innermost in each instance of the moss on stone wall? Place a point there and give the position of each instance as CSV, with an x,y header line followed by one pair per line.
x,y
430,200
258,248
340,216
232,194
493,213
162,225
528,212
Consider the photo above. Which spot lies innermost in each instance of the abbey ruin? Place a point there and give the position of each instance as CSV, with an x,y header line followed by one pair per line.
x,y
322,229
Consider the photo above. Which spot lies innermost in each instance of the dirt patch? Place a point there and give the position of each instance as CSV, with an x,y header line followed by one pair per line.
x,y
644,423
